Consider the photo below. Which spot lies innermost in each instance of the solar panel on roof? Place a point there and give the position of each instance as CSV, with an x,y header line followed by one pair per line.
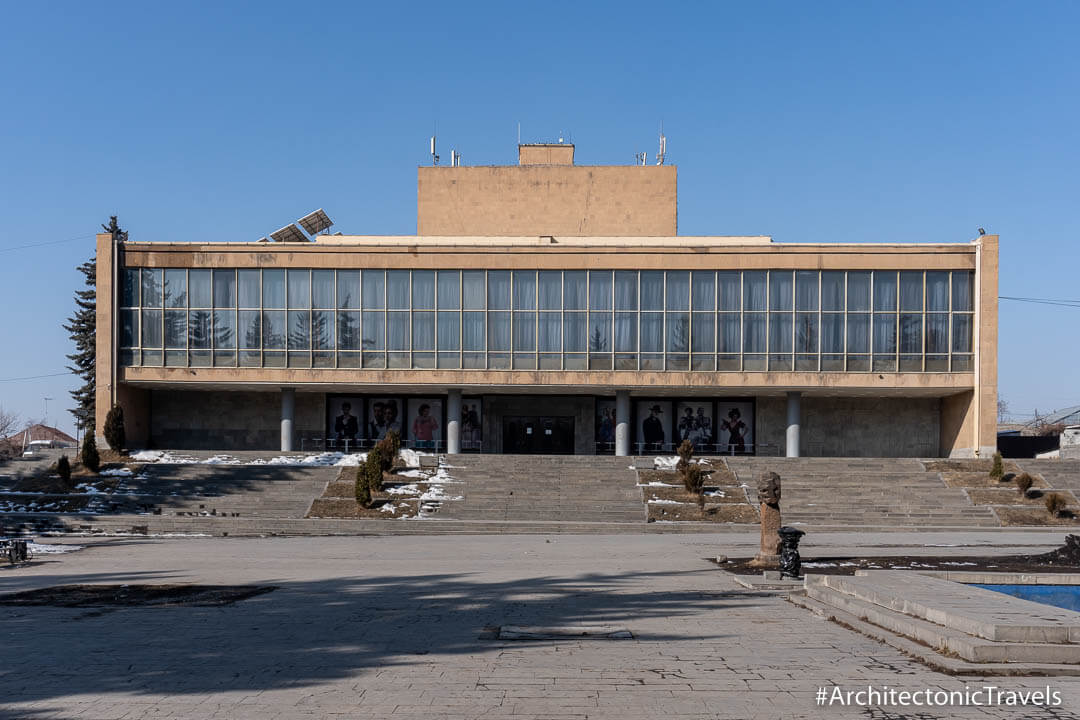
x,y
289,233
314,223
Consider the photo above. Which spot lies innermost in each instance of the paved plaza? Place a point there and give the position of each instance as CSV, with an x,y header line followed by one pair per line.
x,y
405,627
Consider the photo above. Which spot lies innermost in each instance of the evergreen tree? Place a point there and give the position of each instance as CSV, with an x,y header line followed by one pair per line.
x,y
63,469
114,429
91,460
82,327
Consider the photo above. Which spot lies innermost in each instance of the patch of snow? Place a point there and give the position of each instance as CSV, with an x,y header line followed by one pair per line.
x,y
818,564
412,474
43,549
388,507
116,472
958,563
89,489
657,501
436,492
665,463
715,493
656,483
410,489
411,457
220,460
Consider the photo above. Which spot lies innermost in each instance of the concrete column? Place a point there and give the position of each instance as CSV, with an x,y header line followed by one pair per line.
x,y
622,422
288,405
453,422
794,412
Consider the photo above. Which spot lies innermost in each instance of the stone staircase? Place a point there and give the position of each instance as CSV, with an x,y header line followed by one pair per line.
x,y
1059,474
545,488
870,492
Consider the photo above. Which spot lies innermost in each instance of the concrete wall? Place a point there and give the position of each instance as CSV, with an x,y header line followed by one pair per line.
x,y
855,427
582,409
229,420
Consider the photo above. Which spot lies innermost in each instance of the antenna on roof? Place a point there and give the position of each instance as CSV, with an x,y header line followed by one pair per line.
x,y
519,132
663,146
455,158
641,158
434,157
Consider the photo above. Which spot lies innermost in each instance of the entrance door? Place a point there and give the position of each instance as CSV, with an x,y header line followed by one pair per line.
x,y
538,435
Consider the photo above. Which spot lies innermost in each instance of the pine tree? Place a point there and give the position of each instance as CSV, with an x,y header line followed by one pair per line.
x,y
82,327
114,429
89,456
63,469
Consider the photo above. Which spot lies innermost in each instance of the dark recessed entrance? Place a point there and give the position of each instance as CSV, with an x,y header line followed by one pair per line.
x,y
523,434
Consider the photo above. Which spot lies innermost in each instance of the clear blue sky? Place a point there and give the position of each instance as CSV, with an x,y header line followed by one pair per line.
x,y
810,122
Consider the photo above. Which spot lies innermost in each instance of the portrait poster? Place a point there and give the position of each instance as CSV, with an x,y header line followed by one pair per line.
x,y
383,415
344,419
653,432
472,423
424,422
604,427
735,426
694,422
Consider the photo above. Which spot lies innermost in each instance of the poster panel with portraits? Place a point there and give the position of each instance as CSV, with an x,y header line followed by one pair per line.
x,y
383,415
735,427
694,422
344,419
424,422
604,424
472,423
653,431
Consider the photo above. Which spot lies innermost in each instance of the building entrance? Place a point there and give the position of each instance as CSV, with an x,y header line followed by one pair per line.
x,y
538,435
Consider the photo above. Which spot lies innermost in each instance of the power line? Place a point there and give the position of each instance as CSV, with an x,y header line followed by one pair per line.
x,y
47,242
1042,301
37,377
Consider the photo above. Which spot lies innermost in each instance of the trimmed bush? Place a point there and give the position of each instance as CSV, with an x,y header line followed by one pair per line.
x,y
89,454
373,468
997,470
1023,483
63,469
393,439
363,493
388,449
686,454
1055,504
694,479
114,429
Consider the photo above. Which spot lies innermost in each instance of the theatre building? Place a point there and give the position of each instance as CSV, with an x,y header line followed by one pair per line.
x,y
548,307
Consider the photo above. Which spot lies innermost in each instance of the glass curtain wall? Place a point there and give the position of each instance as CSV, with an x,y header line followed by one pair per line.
x,y
675,320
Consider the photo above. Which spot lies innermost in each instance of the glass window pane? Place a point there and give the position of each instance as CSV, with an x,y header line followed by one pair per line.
x,y
273,329
498,289
299,289
884,290
574,290
911,333
397,289
373,336
652,290
961,333
199,329
151,327
626,290
884,334
600,332
423,291
348,330
678,291
524,290
130,283
832,290
225,329
754,290
806,332
678,330
499,330
248,286
322,330
250,334
806,290
299,330
574,331
176,288
273,284
550,284
937,291
322,288
729,289
374,289
550,330
780,338
397,330
224,288
652,332
911,291
175,329
472,331
129,328
937,333
600,290
423,329
963,290
728,333
832,333
449,329
472,286
151,288
781,288
754,331
449,290
625,330
525,331
858,291
348,289
703,290
703,332
858,332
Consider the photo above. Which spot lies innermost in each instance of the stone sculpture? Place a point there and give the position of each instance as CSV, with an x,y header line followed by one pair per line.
x,y
768,490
